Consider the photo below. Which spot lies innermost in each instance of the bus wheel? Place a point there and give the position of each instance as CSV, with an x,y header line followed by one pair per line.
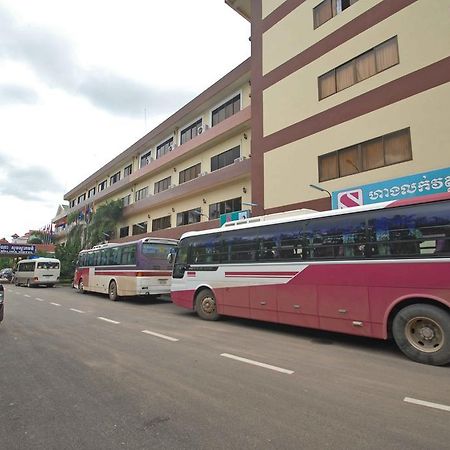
x,y
422,332
205,305
112,291
81,287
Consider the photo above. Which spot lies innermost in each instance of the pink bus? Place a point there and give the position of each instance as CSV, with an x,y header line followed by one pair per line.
x,y
381,271
126,269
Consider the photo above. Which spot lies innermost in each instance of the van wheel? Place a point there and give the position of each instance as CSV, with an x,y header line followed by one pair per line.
x,y
422,332
81,287
29,284
205,305
16,282
112,291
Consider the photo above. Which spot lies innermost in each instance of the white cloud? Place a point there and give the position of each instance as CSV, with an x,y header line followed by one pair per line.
x,y
76,78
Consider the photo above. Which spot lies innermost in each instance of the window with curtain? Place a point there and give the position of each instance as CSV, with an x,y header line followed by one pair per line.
x,y
189,174
360,68
382,151
327,9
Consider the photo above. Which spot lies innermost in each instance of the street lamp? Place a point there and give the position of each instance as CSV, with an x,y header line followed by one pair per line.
x,y
249,204
314,186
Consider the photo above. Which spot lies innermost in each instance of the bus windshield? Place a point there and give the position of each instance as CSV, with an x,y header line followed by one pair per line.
x,y
159,251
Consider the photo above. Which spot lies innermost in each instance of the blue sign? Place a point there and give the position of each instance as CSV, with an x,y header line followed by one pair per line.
x,y
418,185
17,249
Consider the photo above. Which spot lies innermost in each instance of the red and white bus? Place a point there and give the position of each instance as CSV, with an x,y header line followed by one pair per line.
x,y
381,270
126,269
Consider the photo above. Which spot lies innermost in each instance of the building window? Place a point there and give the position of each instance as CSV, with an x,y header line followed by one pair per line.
x,y
161,223
124,232
102,186
162,185
140,194
326,10
164,148
72,203
190,173
227,206
226,110
139,228
128,170
91,192
126,200
114,179
146,158
191,131
190,216
382,151
358,69
81,198
225,158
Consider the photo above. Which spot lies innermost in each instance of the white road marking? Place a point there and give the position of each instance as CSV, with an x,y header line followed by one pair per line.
x,y
39,299
162,336
26,295
108,320
77,310
428,404
55,304
257,363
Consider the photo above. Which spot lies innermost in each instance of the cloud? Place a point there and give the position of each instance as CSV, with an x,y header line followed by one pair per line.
x,y
53,60
11,94
33,183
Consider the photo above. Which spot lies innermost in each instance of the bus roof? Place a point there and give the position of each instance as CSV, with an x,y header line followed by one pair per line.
x,y
305,214
150,240
40,259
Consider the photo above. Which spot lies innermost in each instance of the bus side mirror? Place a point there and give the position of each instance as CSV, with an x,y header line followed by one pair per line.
x,y
170,258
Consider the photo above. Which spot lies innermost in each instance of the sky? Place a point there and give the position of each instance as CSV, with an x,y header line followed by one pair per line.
x,y
81,81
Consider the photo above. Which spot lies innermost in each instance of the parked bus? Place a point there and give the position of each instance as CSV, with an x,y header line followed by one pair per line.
x,y
380,270
37,272
126,269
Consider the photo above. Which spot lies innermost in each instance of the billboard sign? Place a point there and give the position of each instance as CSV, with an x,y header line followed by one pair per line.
x,y
418,185
235,215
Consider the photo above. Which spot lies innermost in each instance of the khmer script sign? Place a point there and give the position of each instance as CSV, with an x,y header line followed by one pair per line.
x,y
17,249
418,185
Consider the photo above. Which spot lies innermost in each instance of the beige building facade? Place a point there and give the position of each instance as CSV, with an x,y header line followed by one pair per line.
x,y
345,93
183,174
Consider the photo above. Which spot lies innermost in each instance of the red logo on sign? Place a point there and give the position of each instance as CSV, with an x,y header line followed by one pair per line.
x,y
349,199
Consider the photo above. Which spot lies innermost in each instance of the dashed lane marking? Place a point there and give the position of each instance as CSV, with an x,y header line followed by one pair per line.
x,y
162,336
78,310
26,295
55,304
39,299
427,404
108,320
257,363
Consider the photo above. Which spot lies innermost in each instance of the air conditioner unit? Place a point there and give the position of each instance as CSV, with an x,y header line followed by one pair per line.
x,y
241,158
202,174
202,128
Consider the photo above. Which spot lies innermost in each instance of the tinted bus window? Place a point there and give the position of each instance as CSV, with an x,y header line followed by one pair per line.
x,y
129,255
240,246
156,250
208,249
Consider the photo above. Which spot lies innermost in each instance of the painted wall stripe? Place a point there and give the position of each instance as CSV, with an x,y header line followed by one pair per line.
x,y
257,363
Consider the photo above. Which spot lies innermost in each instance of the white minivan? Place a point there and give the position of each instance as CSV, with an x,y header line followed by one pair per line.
x,y
37,271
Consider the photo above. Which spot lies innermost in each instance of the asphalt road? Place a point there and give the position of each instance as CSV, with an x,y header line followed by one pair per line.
x,y
82,372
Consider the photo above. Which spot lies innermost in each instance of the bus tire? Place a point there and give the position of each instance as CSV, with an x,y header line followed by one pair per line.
x,y
422,332
206,305
81,286
112,291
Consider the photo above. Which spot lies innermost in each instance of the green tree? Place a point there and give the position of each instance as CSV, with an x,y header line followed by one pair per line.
x,y
104,222
68,253
35,240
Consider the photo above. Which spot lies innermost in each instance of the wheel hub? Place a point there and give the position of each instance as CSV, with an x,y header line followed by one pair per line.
x,y
424,334
208,305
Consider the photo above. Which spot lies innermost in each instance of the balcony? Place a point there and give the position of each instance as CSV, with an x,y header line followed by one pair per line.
x,y
235,124
207,182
